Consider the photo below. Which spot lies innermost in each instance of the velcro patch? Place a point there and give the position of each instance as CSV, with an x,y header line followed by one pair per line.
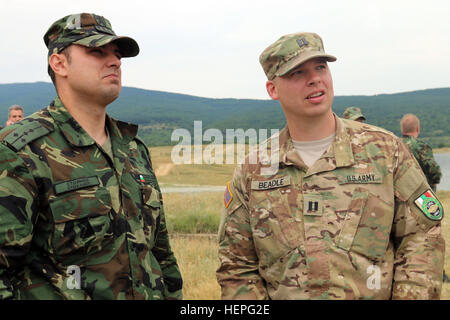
x,y
430,206
76,184
360,178
228,196
271,184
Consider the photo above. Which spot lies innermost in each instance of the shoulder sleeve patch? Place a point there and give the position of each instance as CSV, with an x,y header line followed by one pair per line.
x,y
228,196
430,206
25,133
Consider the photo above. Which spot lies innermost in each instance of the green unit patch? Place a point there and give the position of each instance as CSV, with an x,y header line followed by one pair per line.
x,y
76,184
430,206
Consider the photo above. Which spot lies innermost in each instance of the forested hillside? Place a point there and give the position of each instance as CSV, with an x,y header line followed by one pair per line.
x,y
159,113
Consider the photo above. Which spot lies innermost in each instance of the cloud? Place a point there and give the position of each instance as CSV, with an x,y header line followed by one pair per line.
x,y
211,48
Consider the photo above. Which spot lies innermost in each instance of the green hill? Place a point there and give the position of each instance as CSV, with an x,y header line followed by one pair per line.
x,y
159,113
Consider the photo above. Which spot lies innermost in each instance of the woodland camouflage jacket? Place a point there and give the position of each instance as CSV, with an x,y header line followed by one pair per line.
x,y
76,223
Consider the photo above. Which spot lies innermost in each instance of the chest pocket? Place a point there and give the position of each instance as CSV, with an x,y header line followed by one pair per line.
x,y
367,225
275,230
82,223
151,213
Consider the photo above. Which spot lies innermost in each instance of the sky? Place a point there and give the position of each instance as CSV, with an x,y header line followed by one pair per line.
x,y
211,48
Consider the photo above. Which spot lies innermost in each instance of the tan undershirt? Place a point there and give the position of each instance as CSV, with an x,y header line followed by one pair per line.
x,y
311,151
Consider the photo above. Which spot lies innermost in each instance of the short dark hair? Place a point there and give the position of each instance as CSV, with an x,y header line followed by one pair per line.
x,y
51,73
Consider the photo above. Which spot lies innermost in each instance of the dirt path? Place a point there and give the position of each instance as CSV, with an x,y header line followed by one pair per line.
x,y
164,169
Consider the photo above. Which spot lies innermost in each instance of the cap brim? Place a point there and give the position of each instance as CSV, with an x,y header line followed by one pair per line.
x,y
128,47
295,62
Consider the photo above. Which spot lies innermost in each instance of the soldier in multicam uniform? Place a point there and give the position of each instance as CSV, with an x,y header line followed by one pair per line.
x,y
350,216
410,126
81,213
353,113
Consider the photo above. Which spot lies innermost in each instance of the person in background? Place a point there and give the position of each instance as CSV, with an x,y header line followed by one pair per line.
x,y
422,151
15,114
353,113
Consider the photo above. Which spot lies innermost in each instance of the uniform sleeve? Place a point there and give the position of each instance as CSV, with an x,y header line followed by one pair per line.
x,y
238,273
18,213
164,254
420,247
430,166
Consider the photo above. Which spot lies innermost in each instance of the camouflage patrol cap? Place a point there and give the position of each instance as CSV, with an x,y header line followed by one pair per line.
x,y
290,51
353,113
89,30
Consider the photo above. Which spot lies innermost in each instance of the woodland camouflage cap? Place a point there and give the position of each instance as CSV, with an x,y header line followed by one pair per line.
x,y
290,51
89,30
353,113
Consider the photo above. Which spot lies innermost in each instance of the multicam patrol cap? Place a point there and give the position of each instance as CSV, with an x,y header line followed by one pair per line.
x,y
89,30
353,113
290,51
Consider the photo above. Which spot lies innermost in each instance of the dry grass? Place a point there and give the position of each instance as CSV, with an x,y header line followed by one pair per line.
x,y
192,174
193,212
198,262
441,150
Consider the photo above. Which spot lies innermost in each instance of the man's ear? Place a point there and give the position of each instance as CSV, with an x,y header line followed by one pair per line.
x,y
272,89
58,62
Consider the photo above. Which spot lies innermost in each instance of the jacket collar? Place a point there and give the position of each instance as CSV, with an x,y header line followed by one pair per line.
x,y
77,136
340,149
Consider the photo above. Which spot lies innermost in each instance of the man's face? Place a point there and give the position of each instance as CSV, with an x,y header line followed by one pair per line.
x,y
15,116
94,73
306,91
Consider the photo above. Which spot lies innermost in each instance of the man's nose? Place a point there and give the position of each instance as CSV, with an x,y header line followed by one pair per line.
x,y
314,78
114,60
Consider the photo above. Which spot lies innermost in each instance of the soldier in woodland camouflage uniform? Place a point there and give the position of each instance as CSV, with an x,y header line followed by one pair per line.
x,y
410,126
353,113
81,213
357,220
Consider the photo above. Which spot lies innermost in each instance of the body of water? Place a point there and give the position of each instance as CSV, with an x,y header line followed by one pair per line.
x,y
443,159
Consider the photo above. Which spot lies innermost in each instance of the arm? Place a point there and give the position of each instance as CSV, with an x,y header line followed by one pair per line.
x,y
431,167
238,273
18,214
162,250
167,261
419,255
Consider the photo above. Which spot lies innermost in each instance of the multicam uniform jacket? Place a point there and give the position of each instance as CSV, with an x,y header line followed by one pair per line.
x,y
348,227
76,223
424,155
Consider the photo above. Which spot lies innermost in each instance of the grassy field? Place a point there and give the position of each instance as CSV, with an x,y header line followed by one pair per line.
x,y
193,212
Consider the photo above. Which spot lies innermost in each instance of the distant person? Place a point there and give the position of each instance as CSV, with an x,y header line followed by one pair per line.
x,y
81,212
410,126
15,114
353,113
